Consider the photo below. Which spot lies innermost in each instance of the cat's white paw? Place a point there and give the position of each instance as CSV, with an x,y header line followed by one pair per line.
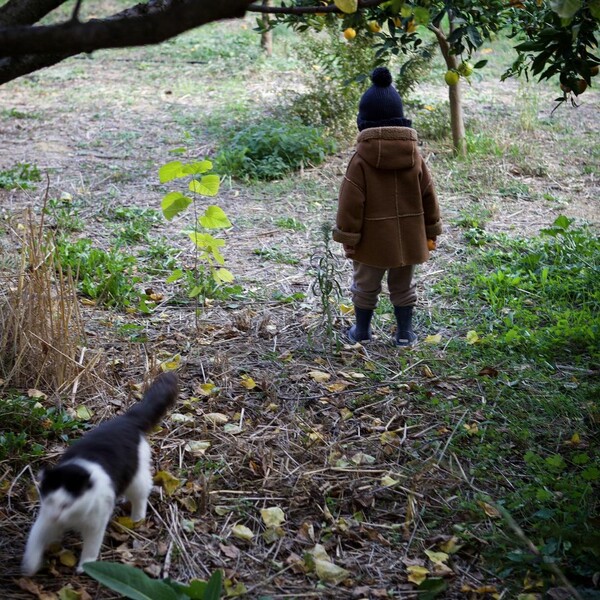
x,y
30,566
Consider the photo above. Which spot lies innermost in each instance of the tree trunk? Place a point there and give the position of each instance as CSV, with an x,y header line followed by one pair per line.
x,y
266,38
457,122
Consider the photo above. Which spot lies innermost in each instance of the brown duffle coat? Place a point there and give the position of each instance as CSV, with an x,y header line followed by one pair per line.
x,y
387,207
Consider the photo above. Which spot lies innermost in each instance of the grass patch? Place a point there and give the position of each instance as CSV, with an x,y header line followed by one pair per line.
x,y
28,425
22,176
108,277
272,149
528,437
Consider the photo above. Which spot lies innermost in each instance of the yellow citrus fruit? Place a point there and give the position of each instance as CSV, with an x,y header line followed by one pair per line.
x,y
466,68
451,77
594,70
431,244
374,27
349,33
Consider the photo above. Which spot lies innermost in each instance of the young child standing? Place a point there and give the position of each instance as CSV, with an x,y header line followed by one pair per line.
x,y
387,210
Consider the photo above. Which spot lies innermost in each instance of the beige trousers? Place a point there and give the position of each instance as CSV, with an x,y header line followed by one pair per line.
x,y
366,285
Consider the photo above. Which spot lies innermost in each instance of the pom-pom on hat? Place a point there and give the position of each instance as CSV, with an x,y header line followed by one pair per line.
x,y
381,105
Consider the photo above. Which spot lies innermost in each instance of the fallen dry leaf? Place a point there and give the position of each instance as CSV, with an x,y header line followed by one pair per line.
x,y
242,532
67,558
272,516
417,574
216,418
168,482
490,510
319,376
197,447
248,382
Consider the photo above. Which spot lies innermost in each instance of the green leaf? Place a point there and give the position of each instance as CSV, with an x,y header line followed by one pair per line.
x,y
196,590
214,586
431,588
565,9
195,291
556,461
207,186
591,474
129,581
422,15
480,64
196,168
214,218
176,275
562,222
172,170
174,203
223,276
347,6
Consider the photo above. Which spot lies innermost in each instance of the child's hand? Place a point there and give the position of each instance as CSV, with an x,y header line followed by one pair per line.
x,y
431,244
349,250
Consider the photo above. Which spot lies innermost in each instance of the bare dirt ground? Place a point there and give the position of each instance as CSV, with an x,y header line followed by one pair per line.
x,y
100,129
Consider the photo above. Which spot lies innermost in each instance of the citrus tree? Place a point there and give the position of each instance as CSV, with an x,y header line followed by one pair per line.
x,y
551,37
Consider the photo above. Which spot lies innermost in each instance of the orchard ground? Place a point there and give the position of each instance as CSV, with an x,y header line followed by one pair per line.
x,y
373,452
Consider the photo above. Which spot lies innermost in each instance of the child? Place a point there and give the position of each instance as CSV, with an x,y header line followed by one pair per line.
x,y
387,210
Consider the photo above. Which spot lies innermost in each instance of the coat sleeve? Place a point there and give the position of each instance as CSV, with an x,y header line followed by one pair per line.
x,y
351,202
431,209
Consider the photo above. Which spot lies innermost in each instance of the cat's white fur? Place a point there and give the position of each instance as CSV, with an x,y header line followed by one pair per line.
x,y
87,514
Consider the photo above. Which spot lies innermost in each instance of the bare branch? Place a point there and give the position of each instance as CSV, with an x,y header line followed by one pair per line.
x,y
26,12
151,23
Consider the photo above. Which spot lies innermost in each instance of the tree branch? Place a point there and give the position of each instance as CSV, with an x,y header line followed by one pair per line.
x,y
151,23
23,12
300,10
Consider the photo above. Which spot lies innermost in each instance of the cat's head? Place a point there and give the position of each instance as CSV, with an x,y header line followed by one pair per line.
x,y
61,488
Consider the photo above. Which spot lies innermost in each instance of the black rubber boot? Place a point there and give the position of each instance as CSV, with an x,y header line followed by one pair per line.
x,y
362,330
405,336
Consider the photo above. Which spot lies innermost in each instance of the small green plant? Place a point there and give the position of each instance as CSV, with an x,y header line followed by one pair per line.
x,y
271,149
290,223
277,255
108,277
64,213
133,224
23,176
133,583
207,248
26,422
326,285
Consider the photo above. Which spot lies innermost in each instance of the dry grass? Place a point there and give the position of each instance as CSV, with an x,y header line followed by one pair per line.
x,y
43,342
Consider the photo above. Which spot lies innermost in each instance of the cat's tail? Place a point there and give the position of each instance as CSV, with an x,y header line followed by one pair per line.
x,y
158,398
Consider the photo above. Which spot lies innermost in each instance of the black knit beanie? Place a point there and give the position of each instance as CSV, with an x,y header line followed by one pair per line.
x,y
381,105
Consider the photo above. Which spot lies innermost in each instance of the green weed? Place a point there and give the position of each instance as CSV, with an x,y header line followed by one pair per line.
x,y
26,423
531,339
272,149
23,176
105,276
133,224
65,214
290,223
276,255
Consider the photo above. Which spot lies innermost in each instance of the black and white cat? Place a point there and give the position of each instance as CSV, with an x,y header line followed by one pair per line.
x,y
80,492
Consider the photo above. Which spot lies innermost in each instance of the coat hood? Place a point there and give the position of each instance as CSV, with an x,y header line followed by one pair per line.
x,y
388,147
